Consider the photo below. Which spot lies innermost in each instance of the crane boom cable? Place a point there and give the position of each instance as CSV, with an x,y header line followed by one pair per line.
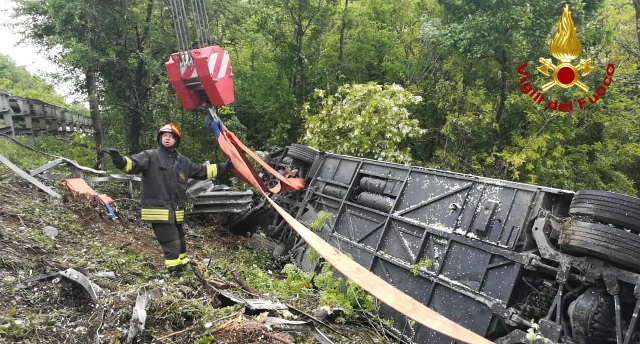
x,y
182,30
206,24
177,26
197,23
187,60
203,25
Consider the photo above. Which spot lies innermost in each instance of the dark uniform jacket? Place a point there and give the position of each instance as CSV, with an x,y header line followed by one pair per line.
x,y
165,173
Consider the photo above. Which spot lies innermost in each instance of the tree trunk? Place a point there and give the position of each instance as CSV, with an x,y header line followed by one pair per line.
x,y
140,96
300,64
503,86
343,29
91,86
140,90
636,6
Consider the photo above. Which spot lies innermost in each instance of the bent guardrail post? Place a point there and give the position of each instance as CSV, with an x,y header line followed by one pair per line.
x,y
29,178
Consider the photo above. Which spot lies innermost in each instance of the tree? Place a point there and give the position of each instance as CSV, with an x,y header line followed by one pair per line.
x,y
366,120
636,7
18,81
485,112
289,27
70,26
120,54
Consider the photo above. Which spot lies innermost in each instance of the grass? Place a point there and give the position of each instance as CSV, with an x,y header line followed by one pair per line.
x,y
46,311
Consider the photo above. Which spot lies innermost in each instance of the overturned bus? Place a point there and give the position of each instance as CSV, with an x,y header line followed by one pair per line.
x,y
497,257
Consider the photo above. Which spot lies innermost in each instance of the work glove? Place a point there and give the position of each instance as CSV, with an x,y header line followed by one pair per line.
x,y
224,167
116,158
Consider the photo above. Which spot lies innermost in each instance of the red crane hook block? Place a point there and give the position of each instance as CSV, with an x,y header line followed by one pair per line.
x,y
203,77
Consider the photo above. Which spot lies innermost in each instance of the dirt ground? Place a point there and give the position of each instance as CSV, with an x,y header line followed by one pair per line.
x,y
37,305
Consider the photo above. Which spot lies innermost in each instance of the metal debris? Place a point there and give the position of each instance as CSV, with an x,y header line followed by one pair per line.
x,y
75,168
209,198
252,304
139,313
29,178
75,276
39,277
271,321
104,274
315,332
319,336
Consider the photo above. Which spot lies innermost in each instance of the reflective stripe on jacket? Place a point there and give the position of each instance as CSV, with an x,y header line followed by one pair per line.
x,y
165,173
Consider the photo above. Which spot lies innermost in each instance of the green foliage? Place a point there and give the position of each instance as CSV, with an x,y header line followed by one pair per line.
x,y
19,82
460,57
296,281
534,336
313,255
17,328
296,284
423,264
181,312
340,293
75,146
320,220
299,287
368,120
21,156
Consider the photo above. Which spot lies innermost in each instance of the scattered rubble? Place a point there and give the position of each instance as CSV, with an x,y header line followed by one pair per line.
x,y
69,276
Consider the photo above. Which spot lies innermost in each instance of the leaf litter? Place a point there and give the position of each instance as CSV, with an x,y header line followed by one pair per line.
x,y
121,258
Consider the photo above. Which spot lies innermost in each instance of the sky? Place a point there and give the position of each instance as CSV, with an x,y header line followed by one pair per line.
x,y
29,56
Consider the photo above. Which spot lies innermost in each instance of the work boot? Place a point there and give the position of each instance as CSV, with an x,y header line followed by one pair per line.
x,y
177,270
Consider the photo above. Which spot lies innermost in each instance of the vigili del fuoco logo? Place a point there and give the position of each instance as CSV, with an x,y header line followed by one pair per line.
x,y
565,47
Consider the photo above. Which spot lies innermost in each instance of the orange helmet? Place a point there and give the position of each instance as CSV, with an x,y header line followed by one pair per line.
x,y
170,128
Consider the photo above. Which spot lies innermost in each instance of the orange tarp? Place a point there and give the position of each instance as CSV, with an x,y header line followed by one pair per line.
x,y
78,187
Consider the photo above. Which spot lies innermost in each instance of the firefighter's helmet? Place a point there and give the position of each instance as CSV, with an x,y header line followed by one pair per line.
x,y
170,128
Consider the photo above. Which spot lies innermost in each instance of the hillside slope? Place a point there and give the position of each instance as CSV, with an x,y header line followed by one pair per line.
x,y
40,236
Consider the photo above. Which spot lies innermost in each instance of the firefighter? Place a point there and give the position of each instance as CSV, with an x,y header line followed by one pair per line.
x,y
165,173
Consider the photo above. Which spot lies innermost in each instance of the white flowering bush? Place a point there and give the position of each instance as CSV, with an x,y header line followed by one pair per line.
x,y
364,120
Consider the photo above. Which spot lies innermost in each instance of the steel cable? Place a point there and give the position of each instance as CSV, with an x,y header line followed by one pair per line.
x,y
202,21
182,30
205,18
197,27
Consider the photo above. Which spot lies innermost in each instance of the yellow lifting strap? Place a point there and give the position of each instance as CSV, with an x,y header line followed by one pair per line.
x,y
378,287
366,279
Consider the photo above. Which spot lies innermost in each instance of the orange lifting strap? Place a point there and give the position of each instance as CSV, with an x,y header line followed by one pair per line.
x,y
78,188
373,284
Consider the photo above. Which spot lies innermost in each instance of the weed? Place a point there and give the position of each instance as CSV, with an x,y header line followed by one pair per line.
x,y
296,281
17,328
341,293
320,220
313,255
534,336
425,263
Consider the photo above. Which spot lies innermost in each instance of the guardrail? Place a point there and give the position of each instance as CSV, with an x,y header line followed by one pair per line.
x,y
25,116
208,198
